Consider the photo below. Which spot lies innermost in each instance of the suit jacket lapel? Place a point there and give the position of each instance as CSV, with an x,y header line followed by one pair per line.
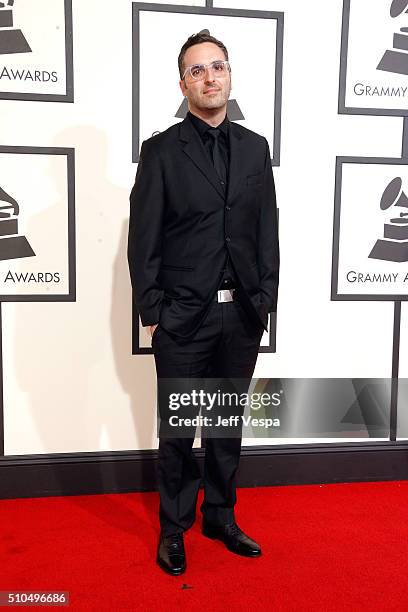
x,y
194,148
237,155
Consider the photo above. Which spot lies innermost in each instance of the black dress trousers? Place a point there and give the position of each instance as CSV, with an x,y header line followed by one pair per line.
x,y
226,345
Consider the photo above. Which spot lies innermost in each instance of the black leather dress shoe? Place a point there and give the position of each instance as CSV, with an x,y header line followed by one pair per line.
x,y
233,537
171,555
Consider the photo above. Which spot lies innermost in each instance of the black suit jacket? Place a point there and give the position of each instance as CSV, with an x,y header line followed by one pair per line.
x,y
181,223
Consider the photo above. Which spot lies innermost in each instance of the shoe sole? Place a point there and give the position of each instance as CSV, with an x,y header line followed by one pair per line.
x,y
211,536
171,572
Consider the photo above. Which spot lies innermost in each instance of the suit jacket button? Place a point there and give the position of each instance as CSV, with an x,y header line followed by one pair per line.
x,y
228,208
228,239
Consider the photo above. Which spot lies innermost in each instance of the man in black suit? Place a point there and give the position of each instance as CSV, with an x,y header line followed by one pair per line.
x,y
204,262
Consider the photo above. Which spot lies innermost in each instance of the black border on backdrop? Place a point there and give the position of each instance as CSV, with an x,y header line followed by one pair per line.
x,y
70,157
335,295
356,110
205,10
69,70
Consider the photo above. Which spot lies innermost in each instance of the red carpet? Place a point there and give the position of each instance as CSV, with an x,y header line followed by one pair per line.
x,y
331,547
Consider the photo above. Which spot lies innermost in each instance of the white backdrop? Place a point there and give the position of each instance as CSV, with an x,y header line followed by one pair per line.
x,y
70,381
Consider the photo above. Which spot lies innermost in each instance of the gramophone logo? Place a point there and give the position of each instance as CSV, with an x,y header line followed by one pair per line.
x,y
12,246
11,40
394,244
396,59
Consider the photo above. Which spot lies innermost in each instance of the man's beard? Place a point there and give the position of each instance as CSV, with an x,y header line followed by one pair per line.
x,y
207,101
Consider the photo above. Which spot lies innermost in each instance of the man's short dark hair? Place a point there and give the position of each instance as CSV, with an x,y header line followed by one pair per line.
x,y
196,39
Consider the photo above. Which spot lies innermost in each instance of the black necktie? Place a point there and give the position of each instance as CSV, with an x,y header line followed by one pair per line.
x,y
221,169
218,161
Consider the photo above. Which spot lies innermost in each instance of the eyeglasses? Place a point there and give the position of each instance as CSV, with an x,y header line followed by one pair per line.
x,y
197,71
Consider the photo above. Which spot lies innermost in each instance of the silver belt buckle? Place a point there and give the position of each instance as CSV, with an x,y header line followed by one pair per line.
x,y
225,295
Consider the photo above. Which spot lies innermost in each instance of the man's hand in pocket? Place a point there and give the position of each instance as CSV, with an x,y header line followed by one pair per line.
x,y
152,328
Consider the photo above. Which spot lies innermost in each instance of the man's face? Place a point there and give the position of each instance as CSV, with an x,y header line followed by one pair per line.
x,y
212,92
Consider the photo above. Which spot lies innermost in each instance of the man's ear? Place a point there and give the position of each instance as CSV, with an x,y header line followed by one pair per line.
x,y
182,87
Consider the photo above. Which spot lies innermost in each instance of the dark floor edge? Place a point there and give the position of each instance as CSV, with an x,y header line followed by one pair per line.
x,y
133,471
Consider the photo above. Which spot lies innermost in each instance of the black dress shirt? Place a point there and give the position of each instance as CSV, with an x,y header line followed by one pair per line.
x,y
202,128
